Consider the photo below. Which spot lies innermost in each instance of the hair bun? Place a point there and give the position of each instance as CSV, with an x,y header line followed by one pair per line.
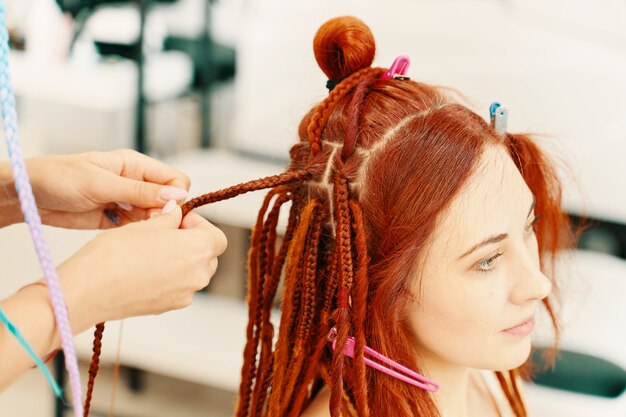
x,y
343,45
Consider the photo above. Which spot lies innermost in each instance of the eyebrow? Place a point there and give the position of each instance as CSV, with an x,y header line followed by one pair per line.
x,y
497,238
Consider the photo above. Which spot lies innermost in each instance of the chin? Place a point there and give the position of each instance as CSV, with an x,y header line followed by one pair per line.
x,y
513,355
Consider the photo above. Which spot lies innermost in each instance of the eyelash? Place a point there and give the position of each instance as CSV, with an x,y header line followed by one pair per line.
x,y
528,228
533,224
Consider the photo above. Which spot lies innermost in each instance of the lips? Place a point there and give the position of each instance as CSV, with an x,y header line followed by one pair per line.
x,y
522,329
521,323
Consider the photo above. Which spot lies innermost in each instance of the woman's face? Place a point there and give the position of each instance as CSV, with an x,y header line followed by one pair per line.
x,y
480,275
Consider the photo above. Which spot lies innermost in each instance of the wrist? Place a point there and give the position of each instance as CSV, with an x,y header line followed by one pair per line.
x,y
39,300
81,307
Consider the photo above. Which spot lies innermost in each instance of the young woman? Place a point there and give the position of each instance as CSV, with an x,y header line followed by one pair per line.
x,y
416,229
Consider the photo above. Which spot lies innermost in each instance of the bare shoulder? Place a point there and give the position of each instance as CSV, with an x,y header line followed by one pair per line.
x,y
319,406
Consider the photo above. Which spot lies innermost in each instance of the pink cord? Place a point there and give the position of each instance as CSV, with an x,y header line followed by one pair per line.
x,y
394,370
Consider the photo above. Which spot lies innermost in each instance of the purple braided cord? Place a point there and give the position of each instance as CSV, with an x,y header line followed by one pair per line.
x,y
31,215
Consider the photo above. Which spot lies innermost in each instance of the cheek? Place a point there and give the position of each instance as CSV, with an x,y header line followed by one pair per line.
x,y
459,320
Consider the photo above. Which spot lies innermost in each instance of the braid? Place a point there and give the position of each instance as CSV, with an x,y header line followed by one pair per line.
x,y
269,295
270,287
324,109
507,385
310,275
266,252
344,250
344,231
520,408
254,185
360,310
295,296
250,350
302,331
93,366
290,307
330,285
356,108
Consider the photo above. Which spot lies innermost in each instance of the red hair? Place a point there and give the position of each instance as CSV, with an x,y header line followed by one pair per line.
x,y
377,162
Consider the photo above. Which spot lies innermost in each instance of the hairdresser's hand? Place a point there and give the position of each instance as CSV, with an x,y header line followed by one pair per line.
x,y
81,191
148,267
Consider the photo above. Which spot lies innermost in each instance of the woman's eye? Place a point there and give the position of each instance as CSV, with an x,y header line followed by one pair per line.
x,y
485,266
531,226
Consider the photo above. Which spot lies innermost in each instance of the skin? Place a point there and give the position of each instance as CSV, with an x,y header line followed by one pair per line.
x,y
149,261
459,312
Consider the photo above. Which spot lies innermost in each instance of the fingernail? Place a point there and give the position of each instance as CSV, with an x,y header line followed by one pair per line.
x,y
125,206
169,207
172,193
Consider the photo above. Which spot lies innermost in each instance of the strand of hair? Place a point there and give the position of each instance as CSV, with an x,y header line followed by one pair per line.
x,y
254,185
93,366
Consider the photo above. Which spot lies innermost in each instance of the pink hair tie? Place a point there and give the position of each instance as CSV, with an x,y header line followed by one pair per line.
x,y
394,369
398,68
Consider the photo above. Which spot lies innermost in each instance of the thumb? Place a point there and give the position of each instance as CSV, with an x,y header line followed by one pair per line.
x,y
169,218
144,194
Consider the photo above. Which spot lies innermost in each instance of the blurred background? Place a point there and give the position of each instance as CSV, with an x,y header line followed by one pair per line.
x,y
217,88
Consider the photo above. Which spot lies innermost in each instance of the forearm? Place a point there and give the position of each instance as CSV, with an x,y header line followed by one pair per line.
x,y
10,212
30,311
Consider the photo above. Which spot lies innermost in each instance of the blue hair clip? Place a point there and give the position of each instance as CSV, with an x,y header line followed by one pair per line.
x,y
499,116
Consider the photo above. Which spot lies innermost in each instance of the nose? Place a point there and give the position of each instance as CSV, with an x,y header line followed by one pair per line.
x,y
529,282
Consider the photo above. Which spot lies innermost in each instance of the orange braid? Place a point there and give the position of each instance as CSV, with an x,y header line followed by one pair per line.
x,y
356,108
360,310
324,109
270,292
250,350
305,319
254,185
344,248
508,385
290,307
93,366
272,285
321,343
267,249
520,407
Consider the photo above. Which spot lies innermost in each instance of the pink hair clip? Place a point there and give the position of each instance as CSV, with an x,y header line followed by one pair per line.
x,y
399,67
394,370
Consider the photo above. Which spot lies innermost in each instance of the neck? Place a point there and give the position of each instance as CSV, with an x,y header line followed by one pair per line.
x,y
452,399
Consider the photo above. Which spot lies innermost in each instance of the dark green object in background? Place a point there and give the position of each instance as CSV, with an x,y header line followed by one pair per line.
x,y
581,373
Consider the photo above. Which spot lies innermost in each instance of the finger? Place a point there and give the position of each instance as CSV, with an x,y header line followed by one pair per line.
x,y
169,218
195,221
141,167
134,215
150,213
137,193
213,263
